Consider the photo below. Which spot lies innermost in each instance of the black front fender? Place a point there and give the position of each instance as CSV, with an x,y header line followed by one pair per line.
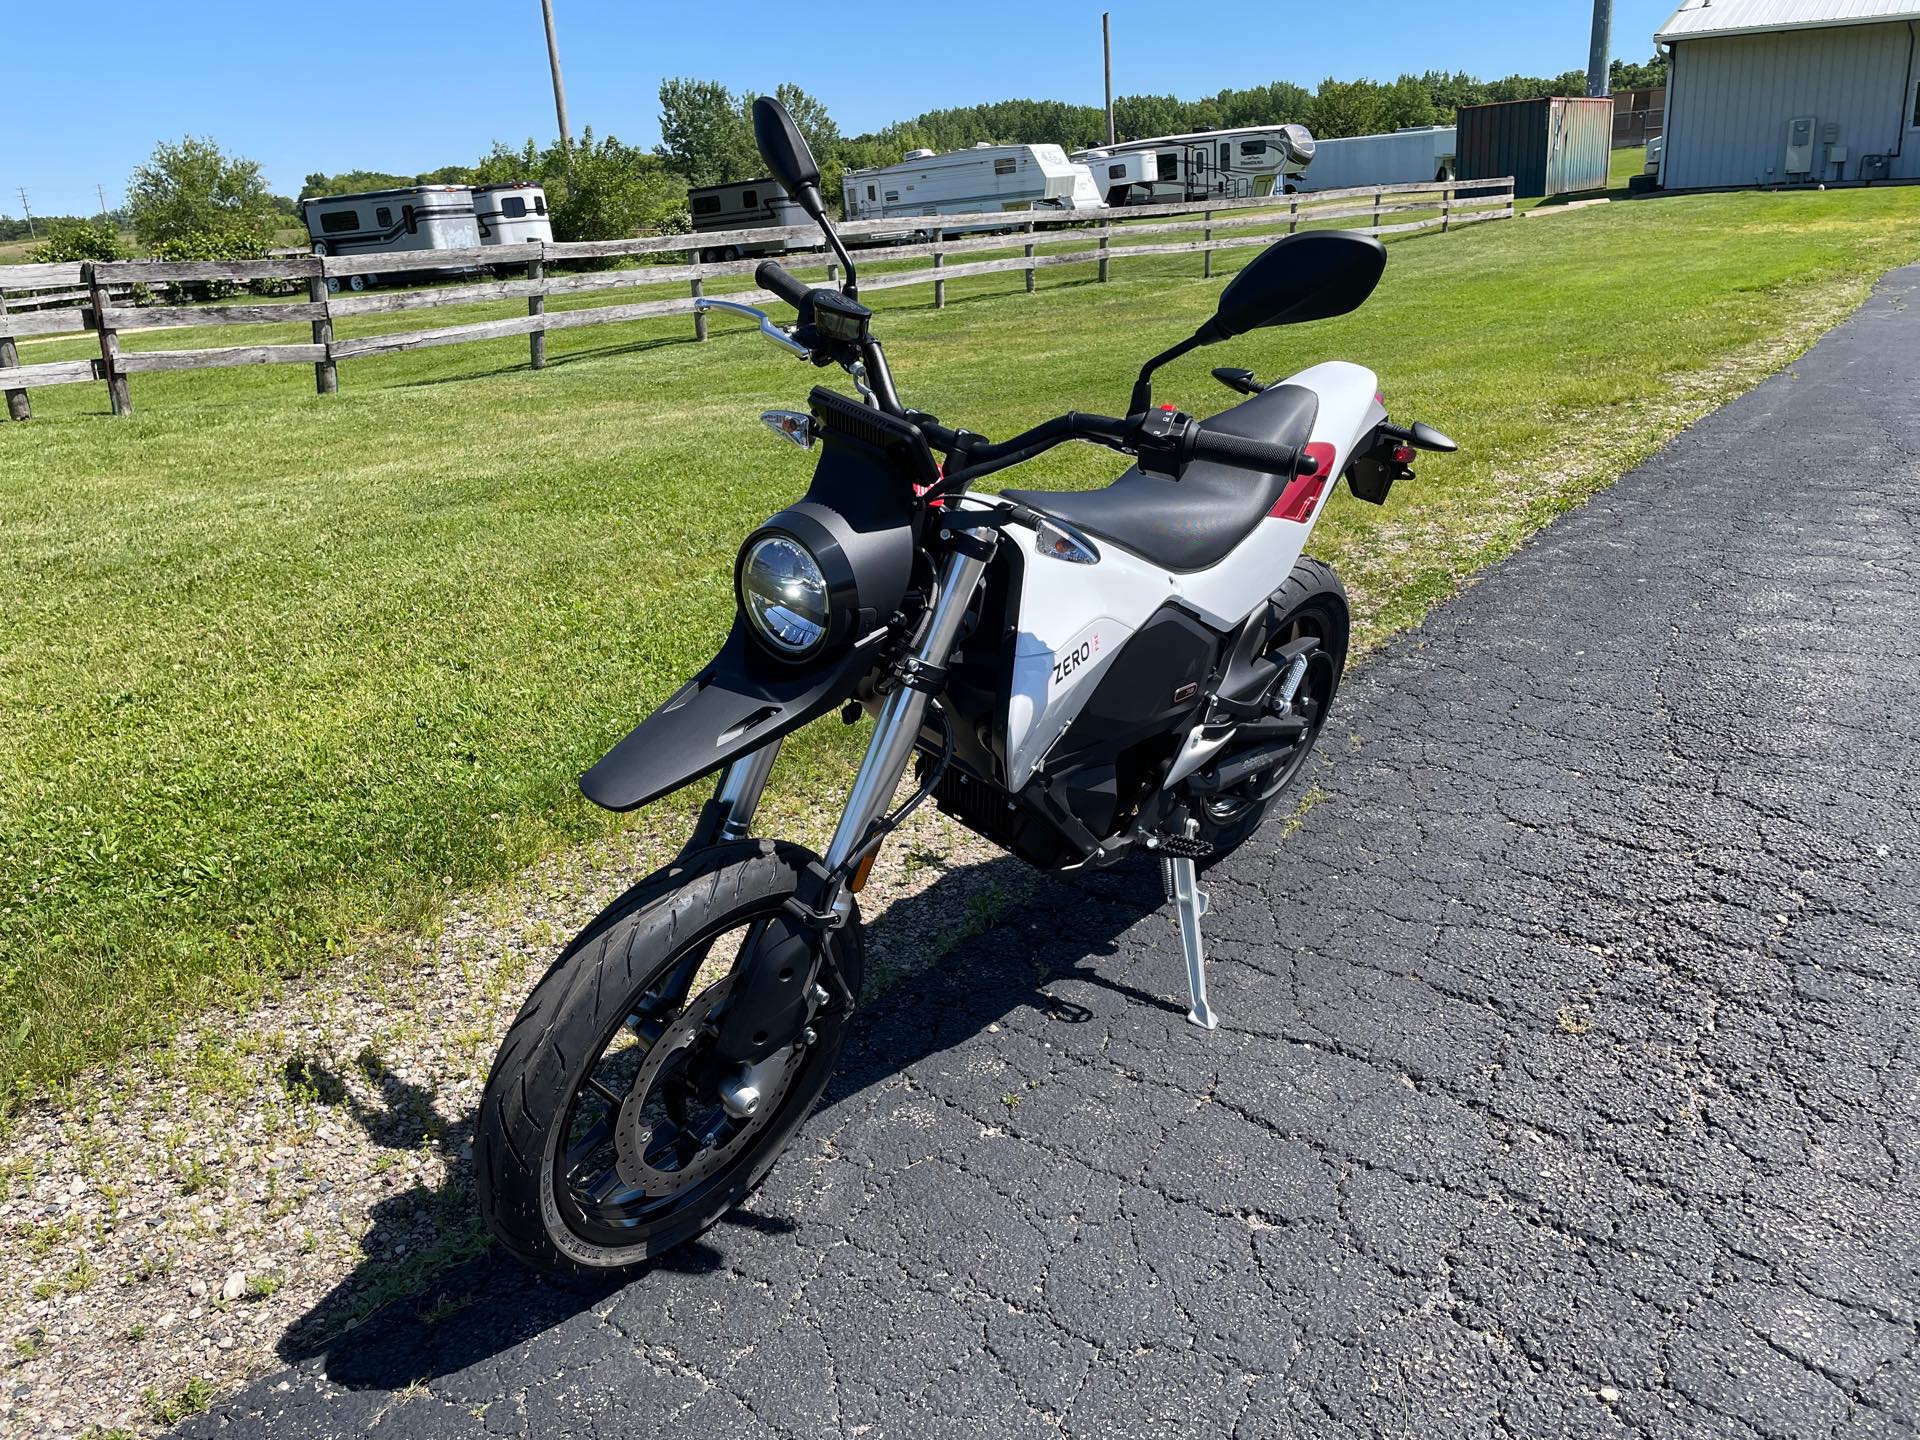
x,y
737,704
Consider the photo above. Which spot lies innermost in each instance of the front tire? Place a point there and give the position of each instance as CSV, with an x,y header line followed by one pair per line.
x,y
598,1145
1312,602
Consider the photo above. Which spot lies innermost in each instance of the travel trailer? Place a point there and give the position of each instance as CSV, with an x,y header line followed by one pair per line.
x,y
1399,157
370,222
964,182
1210,165
746,205
512,213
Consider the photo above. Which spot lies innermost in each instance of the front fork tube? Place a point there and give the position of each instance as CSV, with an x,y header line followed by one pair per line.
x,y
898,726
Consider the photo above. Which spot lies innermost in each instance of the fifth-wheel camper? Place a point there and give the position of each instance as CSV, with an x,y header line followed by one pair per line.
x,y
965,182
1207,165
377,222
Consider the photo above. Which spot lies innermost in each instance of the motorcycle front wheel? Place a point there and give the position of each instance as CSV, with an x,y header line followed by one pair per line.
x,y
602,1141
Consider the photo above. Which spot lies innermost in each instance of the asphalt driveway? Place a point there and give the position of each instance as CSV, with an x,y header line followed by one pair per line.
x,y
1570,1052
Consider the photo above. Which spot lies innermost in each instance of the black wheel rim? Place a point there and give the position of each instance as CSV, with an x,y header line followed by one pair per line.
x,y
1310,703
645,1136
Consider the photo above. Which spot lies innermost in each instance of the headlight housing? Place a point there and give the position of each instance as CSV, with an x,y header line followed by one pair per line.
x,y
812,580
784,595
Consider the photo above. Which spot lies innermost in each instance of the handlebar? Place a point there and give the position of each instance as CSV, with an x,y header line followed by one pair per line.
x,y
772,276
1245,454
1164,443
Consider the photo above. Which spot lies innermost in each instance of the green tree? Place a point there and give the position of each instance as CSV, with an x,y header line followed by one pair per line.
x,y
1625,75
349,181
607,190
705,135
1408,102
191,187
1348,107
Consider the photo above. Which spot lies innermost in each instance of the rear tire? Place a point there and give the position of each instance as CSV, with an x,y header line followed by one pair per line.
x,y
1312,602
563,1050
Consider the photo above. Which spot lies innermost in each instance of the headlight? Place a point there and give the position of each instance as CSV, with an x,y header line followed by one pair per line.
x,y
785,595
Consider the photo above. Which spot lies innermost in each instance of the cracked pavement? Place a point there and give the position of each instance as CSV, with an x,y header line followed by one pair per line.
x,y
1564,1084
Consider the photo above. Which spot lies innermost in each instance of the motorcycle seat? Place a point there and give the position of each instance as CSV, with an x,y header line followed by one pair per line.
x,y
1196,521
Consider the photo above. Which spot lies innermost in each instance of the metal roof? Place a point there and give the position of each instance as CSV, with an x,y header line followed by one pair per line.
x,y
1697,18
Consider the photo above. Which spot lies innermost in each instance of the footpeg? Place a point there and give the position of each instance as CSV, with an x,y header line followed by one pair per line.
x,y
1190,903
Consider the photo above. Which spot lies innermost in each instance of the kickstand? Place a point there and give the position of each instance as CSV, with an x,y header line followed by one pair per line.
x,y
1190,903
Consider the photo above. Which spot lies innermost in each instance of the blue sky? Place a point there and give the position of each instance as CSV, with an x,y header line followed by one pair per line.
x,y
399,86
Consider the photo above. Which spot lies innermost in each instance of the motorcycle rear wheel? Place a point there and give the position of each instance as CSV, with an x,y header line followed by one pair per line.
x,y
1312,602
601,1141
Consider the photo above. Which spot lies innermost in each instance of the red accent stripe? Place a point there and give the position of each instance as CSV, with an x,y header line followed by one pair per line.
x,y
1303,492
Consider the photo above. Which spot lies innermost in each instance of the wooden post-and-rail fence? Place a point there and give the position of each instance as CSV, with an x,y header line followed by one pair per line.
x,y
106,289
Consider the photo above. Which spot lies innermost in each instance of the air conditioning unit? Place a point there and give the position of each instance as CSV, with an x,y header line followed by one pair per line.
x,y
1873,167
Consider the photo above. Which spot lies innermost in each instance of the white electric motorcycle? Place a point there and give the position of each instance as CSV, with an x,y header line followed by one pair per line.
x,y
1074,675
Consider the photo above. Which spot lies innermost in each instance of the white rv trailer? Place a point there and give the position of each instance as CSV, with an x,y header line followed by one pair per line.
x,y
378,222
1400,157
747,205
987,177
1209,165
512,213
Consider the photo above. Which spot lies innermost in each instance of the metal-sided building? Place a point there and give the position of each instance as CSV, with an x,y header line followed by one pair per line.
x,y
1773,92
1551,146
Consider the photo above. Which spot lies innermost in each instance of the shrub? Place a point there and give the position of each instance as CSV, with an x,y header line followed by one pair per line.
x,y
213,245
79,240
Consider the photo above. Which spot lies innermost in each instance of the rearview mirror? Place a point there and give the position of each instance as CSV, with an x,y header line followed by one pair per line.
x,y
787,154
1314,276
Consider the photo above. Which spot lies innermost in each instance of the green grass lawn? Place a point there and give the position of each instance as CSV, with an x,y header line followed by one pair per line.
x,y
275,669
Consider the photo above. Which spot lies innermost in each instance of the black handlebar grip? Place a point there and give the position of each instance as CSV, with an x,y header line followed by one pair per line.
x,y
1245,454
772,275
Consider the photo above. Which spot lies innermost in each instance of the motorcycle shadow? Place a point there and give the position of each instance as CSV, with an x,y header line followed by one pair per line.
x,y
998,935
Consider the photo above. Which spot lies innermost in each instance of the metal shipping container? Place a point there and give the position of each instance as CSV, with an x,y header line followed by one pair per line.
x,y
1551,146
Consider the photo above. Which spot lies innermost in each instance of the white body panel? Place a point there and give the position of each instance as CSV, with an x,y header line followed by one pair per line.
x,y
1401,157
987,177
1075,618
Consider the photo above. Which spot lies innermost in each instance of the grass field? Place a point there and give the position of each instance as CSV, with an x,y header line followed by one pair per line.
x,y
275,669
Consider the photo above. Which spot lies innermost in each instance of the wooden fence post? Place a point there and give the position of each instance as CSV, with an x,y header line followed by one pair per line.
x,y
939,262
1029,254
699,316
1108,226
326,378
537,305
18,407
1376,212
119,396
1206,256
1293,214
1446,208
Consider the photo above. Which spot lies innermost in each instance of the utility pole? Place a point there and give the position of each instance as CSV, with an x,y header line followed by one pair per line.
x,y
559,89
101,191
28,211
1106,48
1600,54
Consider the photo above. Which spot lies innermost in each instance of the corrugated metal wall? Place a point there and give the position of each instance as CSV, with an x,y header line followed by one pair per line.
x,y
1549,146
1730,98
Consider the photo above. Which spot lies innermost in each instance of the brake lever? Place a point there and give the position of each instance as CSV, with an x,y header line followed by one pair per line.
x,y
772,331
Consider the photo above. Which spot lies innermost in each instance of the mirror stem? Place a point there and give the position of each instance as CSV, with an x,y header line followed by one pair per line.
x,y
1143,387
809,200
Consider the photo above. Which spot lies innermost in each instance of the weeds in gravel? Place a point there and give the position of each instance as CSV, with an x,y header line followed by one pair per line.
x,y
193,1397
